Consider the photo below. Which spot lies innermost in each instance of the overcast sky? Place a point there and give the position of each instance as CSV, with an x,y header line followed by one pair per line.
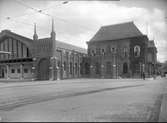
x,y
77,21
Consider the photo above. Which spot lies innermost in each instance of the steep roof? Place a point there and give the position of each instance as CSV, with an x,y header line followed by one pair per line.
x,y
59,44
117,31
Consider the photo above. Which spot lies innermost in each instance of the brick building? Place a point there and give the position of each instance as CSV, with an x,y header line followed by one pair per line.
x,y
119,50
38,59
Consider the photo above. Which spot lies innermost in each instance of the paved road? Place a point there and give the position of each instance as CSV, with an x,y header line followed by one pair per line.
x,y
82,100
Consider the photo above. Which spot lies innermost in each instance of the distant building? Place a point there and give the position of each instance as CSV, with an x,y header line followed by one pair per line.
x,y
120,50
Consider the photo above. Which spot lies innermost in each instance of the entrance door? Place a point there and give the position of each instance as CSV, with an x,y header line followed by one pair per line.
x,y
125,68
43,71
3,73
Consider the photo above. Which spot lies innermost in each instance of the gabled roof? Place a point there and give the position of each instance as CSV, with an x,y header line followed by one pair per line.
x,y
117,31
7,33
61,45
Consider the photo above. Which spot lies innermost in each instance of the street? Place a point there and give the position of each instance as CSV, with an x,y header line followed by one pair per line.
x,y
127,100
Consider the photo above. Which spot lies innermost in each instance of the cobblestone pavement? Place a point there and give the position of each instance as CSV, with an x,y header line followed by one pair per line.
x,y
82,100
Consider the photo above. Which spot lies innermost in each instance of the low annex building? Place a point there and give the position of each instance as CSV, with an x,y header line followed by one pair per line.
x,y
119,50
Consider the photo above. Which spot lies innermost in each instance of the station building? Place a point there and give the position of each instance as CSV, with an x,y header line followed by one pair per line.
x,y
38,59
119,50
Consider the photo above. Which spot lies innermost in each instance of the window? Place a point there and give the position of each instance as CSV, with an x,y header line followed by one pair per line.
x,y
81,69
28,53
76,67
18,70
25,70
113,50
137,51
64,66
70,67
103,52
125,52
12,70
93,53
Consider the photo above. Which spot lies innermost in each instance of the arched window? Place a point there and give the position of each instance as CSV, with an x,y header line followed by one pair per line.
x,y
137,51
103,52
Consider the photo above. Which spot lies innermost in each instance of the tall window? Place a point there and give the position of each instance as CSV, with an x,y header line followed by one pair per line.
x,y
137,51
28,53
93,53
81,68
76,67
64,66
103,52
113,49
70,67
125,52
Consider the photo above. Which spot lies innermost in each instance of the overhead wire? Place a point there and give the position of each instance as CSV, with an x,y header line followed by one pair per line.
x,y
55,17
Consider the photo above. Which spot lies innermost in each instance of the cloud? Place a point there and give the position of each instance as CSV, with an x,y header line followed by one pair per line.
x,y
76,22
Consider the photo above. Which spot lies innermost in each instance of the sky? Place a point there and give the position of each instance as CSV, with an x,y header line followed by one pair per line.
x,y
76,22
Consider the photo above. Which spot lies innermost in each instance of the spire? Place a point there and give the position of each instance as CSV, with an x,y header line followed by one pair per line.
x,y
53,34
52,25
53,38
35,36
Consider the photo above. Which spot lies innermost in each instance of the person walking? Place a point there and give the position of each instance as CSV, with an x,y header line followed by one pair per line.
x,y
143,76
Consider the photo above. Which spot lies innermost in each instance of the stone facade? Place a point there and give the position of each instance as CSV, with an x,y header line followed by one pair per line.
x,y
38,59
115,51
120,51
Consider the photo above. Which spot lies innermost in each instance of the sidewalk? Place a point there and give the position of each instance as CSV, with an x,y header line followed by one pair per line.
x,y
163,111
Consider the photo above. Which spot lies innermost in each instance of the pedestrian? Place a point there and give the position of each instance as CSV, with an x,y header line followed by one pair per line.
x,y
143,76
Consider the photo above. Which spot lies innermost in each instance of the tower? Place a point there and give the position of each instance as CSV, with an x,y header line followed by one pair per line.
x,y
35,36
53,38
53,34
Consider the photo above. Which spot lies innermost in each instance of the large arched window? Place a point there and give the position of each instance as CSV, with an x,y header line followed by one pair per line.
x,y
137,51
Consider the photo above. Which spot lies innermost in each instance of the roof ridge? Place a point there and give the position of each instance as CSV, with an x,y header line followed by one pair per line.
x,y
118,24
10,32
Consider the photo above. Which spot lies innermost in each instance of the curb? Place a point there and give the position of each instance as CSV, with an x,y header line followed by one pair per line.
x,y
163,110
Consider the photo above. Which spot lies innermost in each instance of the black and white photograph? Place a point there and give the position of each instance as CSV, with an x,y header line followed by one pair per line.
x,y
83,60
